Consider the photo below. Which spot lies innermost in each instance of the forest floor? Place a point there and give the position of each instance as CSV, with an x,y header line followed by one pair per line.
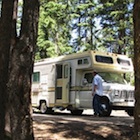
x,y
64,126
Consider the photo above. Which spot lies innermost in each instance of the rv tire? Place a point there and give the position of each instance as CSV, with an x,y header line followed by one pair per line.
x,y
76,112
130,112
49,110
106,108
43,107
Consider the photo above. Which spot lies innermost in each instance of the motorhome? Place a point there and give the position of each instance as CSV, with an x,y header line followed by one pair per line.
x,y
65,82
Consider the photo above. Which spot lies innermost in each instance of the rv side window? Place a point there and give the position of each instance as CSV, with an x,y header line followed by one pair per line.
x,y
89,77
104,59
80,62
36,77
59,93
83,61
59,71
123,62
86,61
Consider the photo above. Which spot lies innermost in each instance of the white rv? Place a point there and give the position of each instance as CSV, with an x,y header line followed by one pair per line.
x,y
65,82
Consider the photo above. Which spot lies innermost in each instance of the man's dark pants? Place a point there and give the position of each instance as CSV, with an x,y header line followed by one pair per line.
x,y
97,104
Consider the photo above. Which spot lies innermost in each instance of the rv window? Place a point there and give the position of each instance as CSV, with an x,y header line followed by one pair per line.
x,y
89,77
104,59
59,71
36,77
59,93
86,61
83,61
123,62
80,62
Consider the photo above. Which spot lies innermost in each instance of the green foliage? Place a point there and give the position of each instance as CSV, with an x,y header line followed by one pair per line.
x,y
54,34
79,25
117,25
84,25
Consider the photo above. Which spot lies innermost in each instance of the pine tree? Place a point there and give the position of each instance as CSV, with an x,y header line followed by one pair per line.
x,y
116,22
54,34
84,25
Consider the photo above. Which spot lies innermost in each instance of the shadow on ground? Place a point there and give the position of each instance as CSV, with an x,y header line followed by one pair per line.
x,y
86,127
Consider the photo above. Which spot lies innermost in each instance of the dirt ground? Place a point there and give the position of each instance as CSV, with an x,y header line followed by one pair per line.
x,y
64,126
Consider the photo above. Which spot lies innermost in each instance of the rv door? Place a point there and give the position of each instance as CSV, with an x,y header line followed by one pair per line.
x,y
66,82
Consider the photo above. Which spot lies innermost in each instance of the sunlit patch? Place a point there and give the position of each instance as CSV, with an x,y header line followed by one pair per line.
x,y
106,131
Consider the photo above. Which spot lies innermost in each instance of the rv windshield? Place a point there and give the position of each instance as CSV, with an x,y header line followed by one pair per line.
x,y
113,78
107,77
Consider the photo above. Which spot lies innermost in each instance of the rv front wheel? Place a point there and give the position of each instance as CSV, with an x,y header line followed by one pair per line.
x,y
130,112
106,108
43,107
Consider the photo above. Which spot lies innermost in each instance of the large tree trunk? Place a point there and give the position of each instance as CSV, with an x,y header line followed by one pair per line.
x,y
21,67
136,16
5,41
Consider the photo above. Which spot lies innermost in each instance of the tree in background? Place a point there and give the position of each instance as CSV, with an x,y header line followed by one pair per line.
x,y
117,24
84,26
71,26
16,59
54,29
66,27
136,18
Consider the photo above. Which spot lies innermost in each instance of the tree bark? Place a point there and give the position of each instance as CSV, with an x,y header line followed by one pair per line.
x,y
20,68
136,19
5,41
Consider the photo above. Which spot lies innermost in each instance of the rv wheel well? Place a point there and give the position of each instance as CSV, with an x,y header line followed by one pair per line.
x,y
42,101
104,98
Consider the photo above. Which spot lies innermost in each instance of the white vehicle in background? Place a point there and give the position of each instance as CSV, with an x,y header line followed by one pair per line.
x,y
64,82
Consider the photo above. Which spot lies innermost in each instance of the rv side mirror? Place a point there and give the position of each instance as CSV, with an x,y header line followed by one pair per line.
x,y
84,82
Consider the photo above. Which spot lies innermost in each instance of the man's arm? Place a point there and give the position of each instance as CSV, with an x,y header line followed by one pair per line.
x,y
94,90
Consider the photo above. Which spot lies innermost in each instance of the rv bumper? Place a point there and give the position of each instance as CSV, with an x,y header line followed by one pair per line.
x,y
123,105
